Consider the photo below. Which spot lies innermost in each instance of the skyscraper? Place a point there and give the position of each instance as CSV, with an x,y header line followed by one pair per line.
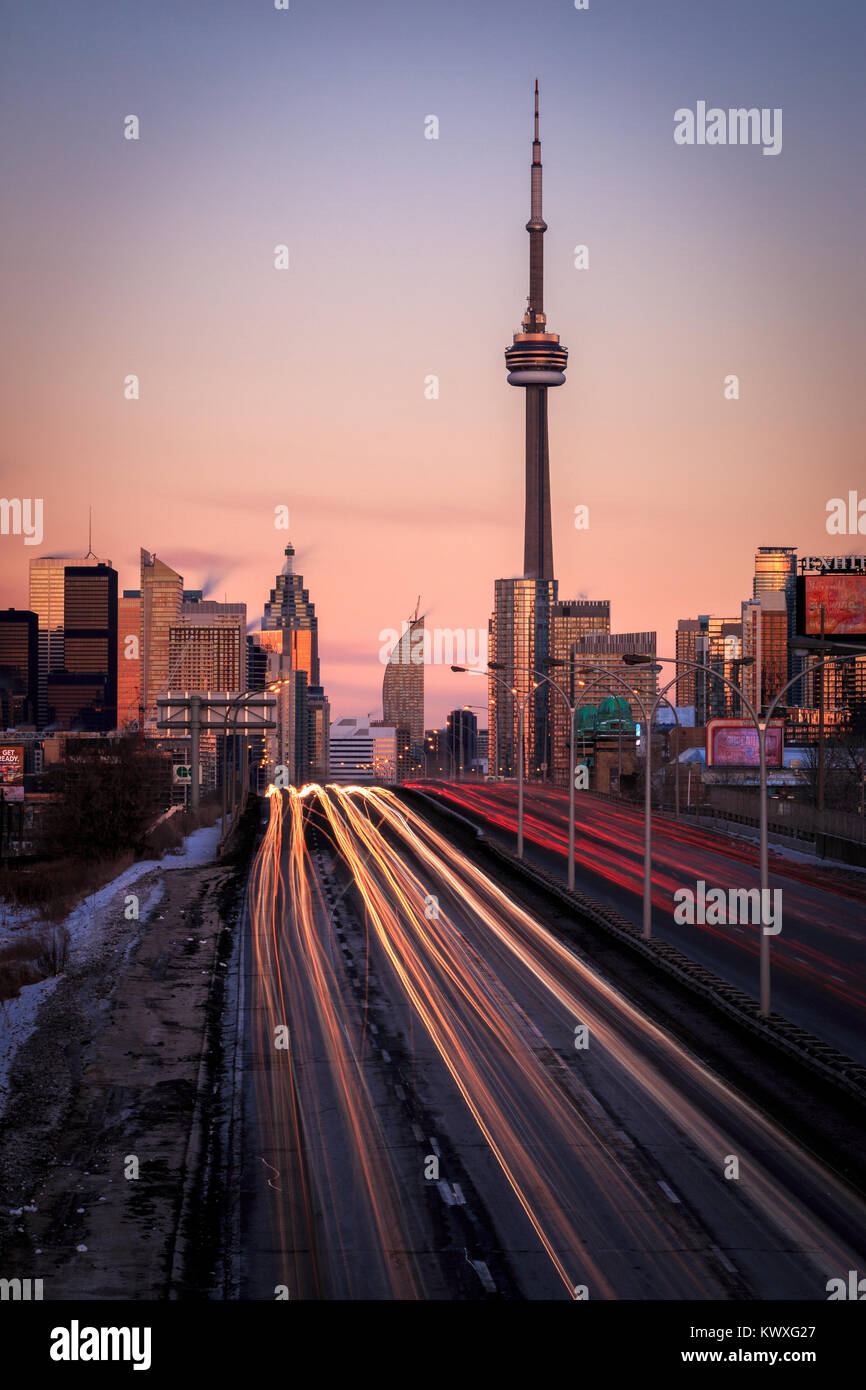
x,y
289,626
521,620
519,645
776,571
84,692
403,685
129,659
686,653
46,601
290,636
161,600
765,639
718,644
571,620
461,741
19,667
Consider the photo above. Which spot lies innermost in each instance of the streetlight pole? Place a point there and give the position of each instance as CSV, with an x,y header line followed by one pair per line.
x,y
521,706
572,717
821,718
761,724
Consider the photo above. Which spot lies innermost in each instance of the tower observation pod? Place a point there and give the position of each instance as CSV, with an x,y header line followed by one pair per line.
x,y
536,360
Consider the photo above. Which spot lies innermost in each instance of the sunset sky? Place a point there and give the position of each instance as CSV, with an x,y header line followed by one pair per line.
x,y
408,257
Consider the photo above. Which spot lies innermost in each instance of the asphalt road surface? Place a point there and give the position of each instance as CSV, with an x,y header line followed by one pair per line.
x,y
818,958
450,1103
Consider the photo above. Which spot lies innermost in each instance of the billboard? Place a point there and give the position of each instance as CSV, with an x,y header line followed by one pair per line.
x,y
11,765
734,743
843,598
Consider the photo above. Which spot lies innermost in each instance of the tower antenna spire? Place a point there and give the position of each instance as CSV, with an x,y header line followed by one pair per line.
x,y
535,361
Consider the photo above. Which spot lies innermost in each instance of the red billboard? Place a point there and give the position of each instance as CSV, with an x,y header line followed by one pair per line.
x,y
734,743
11,764
843,597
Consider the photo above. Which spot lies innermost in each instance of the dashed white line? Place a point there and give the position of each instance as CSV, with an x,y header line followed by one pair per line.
x,y
723,1258
482,1271
668,1191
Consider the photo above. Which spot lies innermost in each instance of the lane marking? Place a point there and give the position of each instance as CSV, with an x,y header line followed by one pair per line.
x,y
668,1191
724,1259
482,1271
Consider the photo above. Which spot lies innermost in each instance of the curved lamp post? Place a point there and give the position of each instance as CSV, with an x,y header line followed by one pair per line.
x,y
761,724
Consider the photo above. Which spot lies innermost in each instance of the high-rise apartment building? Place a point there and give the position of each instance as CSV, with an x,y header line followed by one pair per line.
x,y
403,685
207,646
519,645
718,646
686,651
765,639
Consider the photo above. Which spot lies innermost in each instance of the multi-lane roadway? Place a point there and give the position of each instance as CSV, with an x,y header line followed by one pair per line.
x,y
450,1103
818,957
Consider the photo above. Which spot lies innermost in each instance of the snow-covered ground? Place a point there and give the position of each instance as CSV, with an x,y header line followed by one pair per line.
x,y
97,925
199,848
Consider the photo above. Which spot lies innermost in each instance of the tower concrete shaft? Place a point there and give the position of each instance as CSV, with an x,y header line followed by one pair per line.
x,y
538,532
535,361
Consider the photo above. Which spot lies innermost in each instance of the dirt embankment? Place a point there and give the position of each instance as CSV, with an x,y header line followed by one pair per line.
x,y
113,1098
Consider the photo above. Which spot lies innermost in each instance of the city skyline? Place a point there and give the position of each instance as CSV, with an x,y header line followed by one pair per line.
x,y
677,296
433,846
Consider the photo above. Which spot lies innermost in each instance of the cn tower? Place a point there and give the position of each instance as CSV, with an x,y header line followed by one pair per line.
x,y
535,361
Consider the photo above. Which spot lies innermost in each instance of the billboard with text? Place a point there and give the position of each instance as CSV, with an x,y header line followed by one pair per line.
x,y
734,743
843,599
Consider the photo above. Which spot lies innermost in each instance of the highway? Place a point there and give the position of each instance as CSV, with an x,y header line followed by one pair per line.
x,y
819,961
449,1103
